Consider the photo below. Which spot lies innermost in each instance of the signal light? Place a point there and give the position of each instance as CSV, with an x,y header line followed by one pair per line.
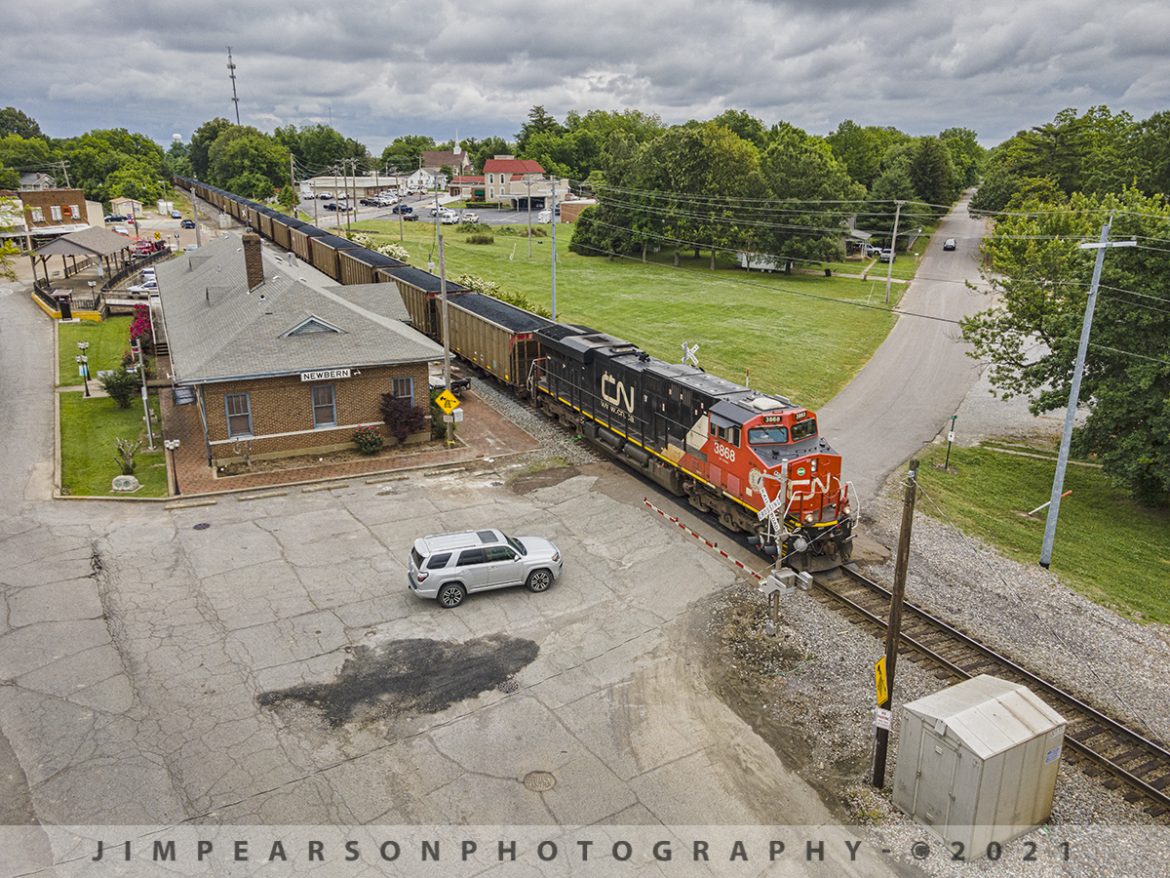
x,y
755,540
772,550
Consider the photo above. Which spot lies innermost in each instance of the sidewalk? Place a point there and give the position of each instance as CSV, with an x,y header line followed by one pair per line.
x,y
485,434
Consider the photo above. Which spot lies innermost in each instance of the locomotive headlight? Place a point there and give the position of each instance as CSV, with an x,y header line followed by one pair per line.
x,y
799,544
847,509
809,518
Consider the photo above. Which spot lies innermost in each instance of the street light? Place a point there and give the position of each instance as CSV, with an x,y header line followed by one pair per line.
x,y
172,445
83,361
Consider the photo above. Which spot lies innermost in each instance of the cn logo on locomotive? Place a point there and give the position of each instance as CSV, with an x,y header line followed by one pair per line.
x,y
615,393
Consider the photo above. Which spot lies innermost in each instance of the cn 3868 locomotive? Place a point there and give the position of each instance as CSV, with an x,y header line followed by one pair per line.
x,y
729,449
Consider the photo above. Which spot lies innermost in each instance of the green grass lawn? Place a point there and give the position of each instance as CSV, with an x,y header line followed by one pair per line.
x,y
88,430
107,342
794,332
1108,548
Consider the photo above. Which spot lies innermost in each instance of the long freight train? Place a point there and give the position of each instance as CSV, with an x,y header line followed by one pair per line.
x,y
755,460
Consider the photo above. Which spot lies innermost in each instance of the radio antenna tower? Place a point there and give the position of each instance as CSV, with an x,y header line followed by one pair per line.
x,y
232,75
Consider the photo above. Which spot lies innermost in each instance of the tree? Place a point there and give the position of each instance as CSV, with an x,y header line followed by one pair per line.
x,y
482,150
111,162
121,386
10,211
933,174
966,154
199,151
745,125
243,157
14,121
178,159
318,147
1030,336
865,150
1152,147
9,178
402,417
539,122
288,199
27,153
404,153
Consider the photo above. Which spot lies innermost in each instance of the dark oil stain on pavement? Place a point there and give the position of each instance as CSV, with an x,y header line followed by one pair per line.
x,y
411,676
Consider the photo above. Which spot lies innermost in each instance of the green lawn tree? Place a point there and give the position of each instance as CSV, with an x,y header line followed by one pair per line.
x,y
1030,336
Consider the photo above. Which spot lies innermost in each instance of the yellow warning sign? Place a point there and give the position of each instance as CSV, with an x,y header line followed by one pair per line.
x,y
157,236
447,401
879,680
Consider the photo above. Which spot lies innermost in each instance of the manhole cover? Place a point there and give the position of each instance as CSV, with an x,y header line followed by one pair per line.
x,y
509,686
539,781
203,525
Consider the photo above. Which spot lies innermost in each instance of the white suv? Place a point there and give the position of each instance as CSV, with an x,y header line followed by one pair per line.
x,y
447,567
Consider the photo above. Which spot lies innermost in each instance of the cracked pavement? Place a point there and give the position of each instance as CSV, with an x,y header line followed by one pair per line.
x,y
133,649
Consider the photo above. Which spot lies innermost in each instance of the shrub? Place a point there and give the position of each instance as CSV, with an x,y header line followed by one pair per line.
x,y
140,330
401,417
480,239
474,227
368,440
394,251
125,456
121,387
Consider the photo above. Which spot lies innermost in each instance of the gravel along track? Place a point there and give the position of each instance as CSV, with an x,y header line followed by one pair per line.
x,y
555,440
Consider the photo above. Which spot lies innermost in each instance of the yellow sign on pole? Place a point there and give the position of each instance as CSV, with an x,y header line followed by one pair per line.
x,y
879,680
447,402
157,236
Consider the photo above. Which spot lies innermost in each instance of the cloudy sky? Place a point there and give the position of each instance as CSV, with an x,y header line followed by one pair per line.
x,y
388,67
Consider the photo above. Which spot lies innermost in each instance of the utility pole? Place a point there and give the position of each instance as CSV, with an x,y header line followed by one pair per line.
x,y
893,248
336,211
195,212
232,75
528,184
894,628
1074,393
64,166
450,426
552,216
292,173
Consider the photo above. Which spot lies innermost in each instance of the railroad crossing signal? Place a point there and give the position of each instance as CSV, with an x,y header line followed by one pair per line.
x,y
157,236
447,402
690,354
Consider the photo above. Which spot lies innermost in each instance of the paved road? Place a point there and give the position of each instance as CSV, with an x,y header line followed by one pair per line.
x,y
920,374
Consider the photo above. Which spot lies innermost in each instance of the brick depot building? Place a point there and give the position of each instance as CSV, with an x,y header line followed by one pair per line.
x,y
275,366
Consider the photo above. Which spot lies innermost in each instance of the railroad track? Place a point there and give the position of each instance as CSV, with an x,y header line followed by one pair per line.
x,y
1137,764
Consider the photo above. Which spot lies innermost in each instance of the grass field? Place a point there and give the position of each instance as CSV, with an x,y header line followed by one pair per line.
x,y
107,342
798,334
1108,548
88,430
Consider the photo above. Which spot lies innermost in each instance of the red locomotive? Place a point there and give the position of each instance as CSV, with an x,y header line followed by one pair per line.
x,y
755,460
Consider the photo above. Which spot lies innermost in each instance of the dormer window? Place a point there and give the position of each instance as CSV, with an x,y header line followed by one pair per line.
x,y
310,326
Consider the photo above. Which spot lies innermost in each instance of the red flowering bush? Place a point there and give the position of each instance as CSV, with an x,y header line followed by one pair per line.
x,y
140,330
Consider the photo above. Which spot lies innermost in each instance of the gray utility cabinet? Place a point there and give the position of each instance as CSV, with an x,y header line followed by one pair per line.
x,y
977,762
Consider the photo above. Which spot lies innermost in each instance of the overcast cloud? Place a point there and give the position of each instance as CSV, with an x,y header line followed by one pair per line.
x,y
381,69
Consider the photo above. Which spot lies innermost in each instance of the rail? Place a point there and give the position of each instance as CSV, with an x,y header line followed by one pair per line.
x,y
1137,761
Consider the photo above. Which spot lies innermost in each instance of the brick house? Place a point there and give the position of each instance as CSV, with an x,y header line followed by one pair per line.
x,y
51,212
275,367
511,182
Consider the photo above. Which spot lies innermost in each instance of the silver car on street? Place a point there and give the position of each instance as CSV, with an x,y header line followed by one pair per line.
x,y
448,567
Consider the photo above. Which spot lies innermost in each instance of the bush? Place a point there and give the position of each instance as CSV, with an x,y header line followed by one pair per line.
x,y
121,386
474,227
125,456
480,239
401,417
368,440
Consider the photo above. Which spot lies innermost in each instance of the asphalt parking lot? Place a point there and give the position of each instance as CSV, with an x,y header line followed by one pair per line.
x,y
262,661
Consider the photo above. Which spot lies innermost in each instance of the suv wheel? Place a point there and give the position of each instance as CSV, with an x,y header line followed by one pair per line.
x,y
451,595
539,580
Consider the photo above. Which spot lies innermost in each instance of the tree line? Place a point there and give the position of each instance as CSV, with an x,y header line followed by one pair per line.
x,y
1054,186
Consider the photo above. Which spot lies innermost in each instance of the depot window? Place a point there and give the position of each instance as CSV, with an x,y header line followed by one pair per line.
x,y
403,388
772,435
239,414
324,406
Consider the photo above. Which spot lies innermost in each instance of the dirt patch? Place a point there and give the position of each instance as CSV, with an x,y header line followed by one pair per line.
x,y
411,677
305,461
754,673
527,482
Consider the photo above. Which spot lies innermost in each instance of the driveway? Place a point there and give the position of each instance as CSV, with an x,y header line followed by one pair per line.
x,y
918,377
261,661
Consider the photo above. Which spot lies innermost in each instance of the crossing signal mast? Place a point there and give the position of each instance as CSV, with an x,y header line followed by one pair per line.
x,y
232,75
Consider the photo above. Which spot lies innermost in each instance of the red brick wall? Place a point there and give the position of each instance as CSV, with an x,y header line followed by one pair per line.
x,y
46,199
283,405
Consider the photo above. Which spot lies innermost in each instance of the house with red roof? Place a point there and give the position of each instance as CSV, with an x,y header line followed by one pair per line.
x,y
513,182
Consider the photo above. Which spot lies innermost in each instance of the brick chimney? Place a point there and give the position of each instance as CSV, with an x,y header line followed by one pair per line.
x,y
253,262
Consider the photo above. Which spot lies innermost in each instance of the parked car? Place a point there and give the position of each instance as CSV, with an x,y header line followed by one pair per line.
x,y
146,288
329,206
176,215
448,217
115,218
469,216
543,217
411,217
873,250
121,230
403,208
448,567
949,244
187,224
326,195
887,255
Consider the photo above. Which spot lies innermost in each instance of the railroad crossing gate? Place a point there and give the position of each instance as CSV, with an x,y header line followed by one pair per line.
x,y
447,402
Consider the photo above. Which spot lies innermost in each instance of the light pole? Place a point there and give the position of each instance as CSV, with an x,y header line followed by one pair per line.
x,y
528,184
83,361
172,445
